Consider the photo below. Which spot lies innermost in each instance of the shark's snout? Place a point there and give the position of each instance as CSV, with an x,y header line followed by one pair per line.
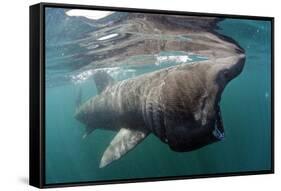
x,y
237,68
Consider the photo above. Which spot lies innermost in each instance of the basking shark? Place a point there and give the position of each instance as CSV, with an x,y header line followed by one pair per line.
x,y
179,105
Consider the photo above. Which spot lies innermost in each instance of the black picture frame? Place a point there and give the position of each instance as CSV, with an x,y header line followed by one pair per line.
x,y
37,95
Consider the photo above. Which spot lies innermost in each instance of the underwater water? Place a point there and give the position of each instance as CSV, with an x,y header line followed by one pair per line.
x,y
70,63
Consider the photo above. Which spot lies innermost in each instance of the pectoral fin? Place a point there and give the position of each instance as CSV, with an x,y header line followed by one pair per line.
x,y
124,141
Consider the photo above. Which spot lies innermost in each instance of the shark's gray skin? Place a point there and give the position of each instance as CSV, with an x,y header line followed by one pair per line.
x,y
179,105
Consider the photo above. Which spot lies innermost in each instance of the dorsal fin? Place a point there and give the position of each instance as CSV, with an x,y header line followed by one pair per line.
x,y
124,141
102,80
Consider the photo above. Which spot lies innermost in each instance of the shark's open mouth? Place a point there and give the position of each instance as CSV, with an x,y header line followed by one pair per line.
x,y
218,132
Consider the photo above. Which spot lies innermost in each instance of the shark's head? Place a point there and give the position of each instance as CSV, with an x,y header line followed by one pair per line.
x,y
194,118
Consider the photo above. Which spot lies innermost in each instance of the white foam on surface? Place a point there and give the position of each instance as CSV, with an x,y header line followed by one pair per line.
x,y
116,73
90,14
171,58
